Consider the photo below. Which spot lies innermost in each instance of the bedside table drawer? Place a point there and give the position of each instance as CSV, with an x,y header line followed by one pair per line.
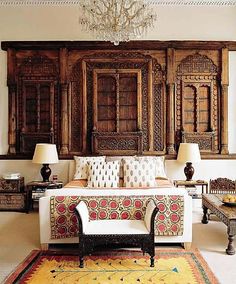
x,y
13,201
12,185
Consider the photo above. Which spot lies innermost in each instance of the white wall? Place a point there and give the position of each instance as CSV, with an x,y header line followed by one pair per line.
x,y
62,23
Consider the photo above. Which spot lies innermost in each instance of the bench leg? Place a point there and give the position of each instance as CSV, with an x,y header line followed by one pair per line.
x,y
152,261
81,262
44,246
187,245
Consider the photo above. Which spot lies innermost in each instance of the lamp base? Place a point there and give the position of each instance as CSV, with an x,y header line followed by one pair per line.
x,y
45,172
189,171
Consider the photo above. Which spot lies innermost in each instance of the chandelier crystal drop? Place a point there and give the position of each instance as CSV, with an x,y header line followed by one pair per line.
x,y
116,20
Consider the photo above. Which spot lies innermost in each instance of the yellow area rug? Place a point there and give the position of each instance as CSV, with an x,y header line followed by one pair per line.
x,y
172,266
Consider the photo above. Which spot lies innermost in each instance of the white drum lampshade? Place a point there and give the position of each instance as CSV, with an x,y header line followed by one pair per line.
x,y
45,154
189,153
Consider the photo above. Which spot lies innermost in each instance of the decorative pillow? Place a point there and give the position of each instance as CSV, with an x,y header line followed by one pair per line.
x,y
139,174
81,165
103,174
159,163
121,159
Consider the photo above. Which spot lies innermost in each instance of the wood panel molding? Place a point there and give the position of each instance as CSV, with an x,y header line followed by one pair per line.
x,y
164,93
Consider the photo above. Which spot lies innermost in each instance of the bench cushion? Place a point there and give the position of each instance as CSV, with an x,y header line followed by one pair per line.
x,y
115,227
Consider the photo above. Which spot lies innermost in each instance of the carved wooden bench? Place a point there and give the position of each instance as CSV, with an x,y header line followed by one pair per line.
x,y
138,233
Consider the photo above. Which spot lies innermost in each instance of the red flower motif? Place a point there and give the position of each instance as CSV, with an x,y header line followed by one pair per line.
x,y
73,229
93,215
162,227
103,203
174,197
93,204
114,215
138,203
61,220
74,198
61,208
113,204
174,228
138,215
127,202
62,230
162,207
159,197
71,207
102,214
161,217
73,219
124,215
60,198
174,207
174,217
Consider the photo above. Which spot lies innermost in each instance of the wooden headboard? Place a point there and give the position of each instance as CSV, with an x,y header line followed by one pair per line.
x,y
141,97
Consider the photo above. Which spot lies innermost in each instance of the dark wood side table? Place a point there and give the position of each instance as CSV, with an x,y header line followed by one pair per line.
x,y
36,189
13,196
192,183
227,215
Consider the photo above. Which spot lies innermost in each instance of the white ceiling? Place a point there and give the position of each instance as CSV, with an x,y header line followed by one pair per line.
x,y
156,2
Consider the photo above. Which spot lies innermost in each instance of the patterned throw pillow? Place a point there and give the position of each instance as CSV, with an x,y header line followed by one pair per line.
x,y
159,163
121,159
139,174
81,165
103,174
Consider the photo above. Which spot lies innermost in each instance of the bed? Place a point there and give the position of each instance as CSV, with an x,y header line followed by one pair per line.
x,y
58,223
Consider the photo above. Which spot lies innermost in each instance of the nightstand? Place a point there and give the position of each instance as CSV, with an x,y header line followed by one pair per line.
x,y
192,184
12,195
36,189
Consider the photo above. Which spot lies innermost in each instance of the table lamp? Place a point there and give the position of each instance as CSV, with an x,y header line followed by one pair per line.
x,y
45,154
188,153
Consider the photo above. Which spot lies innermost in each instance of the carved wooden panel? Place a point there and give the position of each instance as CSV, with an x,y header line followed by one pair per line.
x,y
130,118
128,143
197,102
205,140
138,97
36,101
117,110
77,116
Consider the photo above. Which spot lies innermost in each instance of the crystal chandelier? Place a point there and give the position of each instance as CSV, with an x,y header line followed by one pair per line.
x,y
116,20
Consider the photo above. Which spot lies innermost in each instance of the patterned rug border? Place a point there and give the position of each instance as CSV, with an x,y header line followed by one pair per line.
x,y
35,256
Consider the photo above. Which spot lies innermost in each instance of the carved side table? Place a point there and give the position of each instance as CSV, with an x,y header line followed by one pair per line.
x,y
36,189
227,214
12,195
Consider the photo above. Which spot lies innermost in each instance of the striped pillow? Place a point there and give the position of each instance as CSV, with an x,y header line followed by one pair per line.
x,y
103,174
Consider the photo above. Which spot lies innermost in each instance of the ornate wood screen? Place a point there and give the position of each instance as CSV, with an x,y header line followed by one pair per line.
x,y
137,98
197,102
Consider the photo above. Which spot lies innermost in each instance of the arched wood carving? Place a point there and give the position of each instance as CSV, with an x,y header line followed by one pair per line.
x,y
115,62
197,100
37,103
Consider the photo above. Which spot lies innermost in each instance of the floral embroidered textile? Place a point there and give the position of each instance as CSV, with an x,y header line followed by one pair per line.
x,y
169,220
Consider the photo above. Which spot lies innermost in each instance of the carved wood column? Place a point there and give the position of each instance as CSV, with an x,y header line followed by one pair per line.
x,y
64,102
224,101
12,89
12,119
150,105
170,133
